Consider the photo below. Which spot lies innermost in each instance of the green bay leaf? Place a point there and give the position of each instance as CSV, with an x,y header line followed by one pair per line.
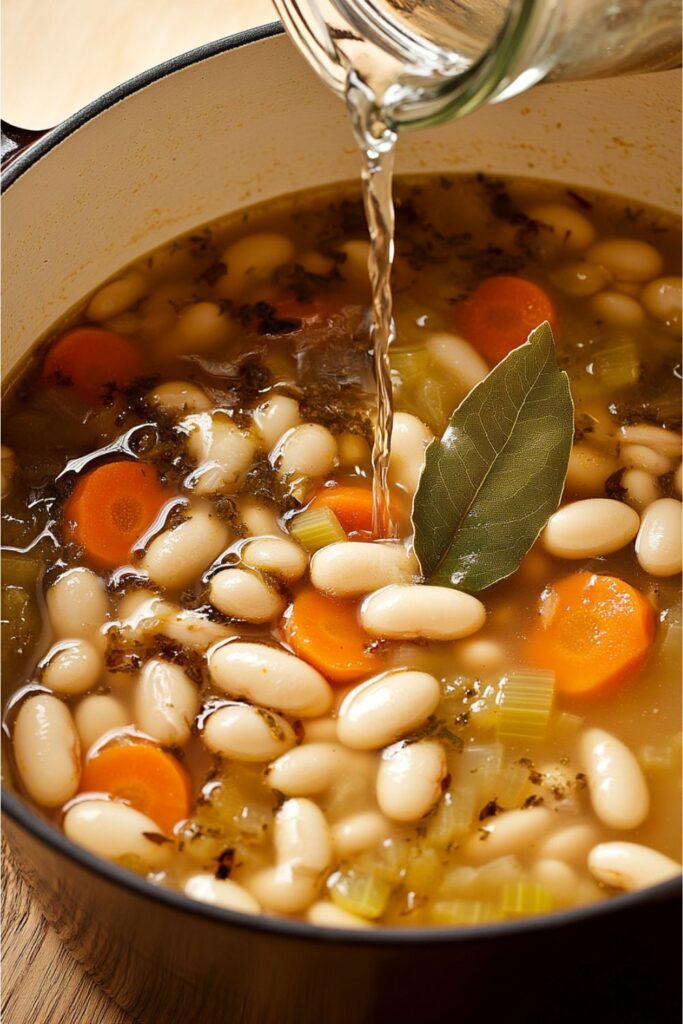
x,y
492,480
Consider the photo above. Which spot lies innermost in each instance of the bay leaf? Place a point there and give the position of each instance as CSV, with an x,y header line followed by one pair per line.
x,y
490,483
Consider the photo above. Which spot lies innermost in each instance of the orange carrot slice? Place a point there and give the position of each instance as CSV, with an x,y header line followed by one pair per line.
x,y
92,361
147,777
326,633
110,509
594,632
500,314
352,506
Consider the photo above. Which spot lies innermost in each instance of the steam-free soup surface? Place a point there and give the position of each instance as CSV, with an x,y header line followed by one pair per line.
x,y
216,676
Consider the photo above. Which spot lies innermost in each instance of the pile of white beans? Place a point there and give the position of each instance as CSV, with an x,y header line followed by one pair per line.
x,y
265,706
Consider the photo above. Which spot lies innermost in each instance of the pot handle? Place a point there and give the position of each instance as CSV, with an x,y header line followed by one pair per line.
x,y
15,141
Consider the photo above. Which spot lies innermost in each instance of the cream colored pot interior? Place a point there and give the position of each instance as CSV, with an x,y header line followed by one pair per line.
x,y
255,122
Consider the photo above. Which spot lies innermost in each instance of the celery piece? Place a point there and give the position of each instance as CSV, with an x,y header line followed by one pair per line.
x,y
512,785
654,760
669,650
392,860
20,570
617,365
453,817
464,912
360,893
565,726
525,701
20,628
424,389
411,364
316,528
522,898
423,871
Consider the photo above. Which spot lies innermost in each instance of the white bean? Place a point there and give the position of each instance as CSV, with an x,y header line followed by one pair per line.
x,y
558,878
178,396
98,714
381,710
192,629
631,866
668,442
358,832
245,733
352,450
588,528
72,666
166,702
662,299
251,261
409,780
302,837
245,595
315,262
640,488
176,557
201,327
282,889
47,750
481,656
569,227
409,439
638,456
658,544
354,269
308,450
116,297
8,467
458,358
580,279
511,832
275,417
223,452
270,676
414,611
570,844
307,770
352,568
276,555
257,519
628,259
616,783
328,915
115,830
588,470
77,605
617,309
220,892
321,730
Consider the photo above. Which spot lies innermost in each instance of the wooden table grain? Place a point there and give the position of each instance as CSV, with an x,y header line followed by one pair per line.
x,y
58,55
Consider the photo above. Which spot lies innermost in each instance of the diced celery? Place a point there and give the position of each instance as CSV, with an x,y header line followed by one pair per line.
x,y
512,785
423,871
617,365
411,364
654,760
19,569
565,726
669,649
466,912
392,859
453,817
423,388
525,701
363,894
316,528
522,898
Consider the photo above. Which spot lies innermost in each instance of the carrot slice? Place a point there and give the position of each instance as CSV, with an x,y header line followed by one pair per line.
x,y
92,361
110,509
147,777
326,633
595,633
352,506
500,314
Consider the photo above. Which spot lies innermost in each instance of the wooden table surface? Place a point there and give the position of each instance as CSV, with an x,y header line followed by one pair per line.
x,y
57,55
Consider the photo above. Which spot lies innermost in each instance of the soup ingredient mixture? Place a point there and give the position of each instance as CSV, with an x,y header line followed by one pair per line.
x,y
218,675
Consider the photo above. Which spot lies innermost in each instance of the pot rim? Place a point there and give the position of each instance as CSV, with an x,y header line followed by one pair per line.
x,y
19,812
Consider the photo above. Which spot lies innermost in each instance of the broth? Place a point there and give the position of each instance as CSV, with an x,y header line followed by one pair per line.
x,y
265,318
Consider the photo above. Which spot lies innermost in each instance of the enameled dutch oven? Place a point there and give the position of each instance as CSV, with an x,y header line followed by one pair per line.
x,y
224,126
